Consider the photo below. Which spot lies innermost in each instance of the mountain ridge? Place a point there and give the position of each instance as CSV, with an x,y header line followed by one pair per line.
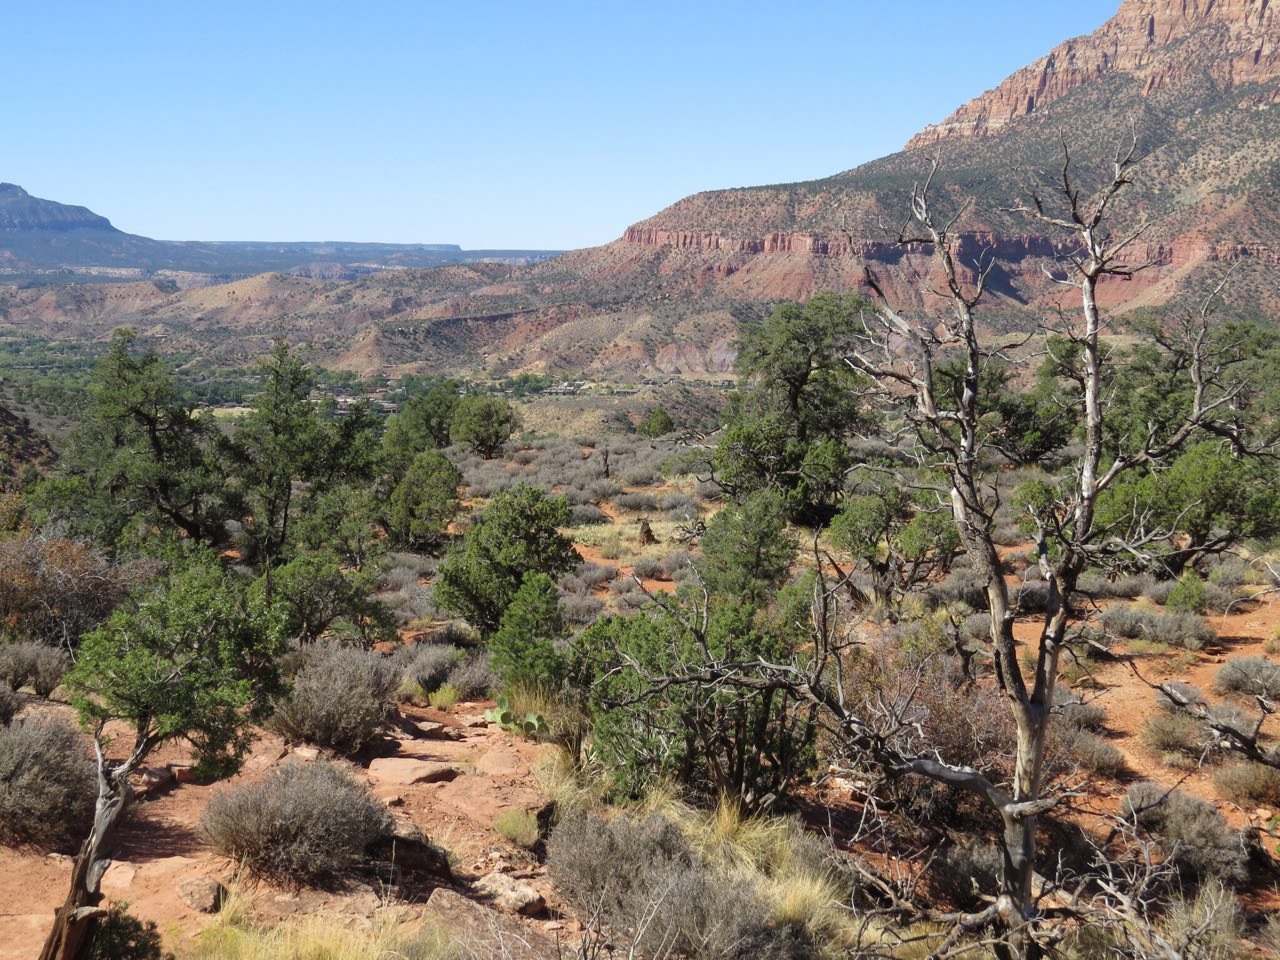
x,y
1133,41
19,210
50,242
669,295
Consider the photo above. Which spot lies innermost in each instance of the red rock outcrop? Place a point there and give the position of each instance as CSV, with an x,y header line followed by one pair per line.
x,y
1143,39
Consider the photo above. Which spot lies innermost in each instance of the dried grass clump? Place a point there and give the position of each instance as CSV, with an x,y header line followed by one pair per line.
x,y
1247,782
653,890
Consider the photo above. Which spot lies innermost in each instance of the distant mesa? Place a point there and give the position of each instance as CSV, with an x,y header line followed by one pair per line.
x,y
43,241
19,210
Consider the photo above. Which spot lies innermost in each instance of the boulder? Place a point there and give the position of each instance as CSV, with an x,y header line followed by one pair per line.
x,y
205,894
118,879
507,893
153,779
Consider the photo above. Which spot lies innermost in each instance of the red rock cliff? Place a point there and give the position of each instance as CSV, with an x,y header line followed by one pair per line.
x,y
1142,40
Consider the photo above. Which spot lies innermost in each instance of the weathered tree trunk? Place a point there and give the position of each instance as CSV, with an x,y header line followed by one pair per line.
x,y
74,923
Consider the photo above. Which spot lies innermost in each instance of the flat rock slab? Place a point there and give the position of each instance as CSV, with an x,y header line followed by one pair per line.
x,y
118,878
455,750
483,798
402,771
433,730
500,763
485,932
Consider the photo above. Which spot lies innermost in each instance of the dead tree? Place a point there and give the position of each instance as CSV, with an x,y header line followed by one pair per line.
x,y
901,353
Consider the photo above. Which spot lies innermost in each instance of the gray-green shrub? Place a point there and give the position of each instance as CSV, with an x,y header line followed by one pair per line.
x,y
1171,732
47,783
1082,716
303,823
1248,676
583,514
1192,834
1172,627
35,664
640,876
11,704
428,665
340,698
472,676
1095,754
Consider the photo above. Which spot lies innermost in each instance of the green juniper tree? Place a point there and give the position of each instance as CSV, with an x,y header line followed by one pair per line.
x,y
516,535
788,425
424,501
141,456
484,424
191,660
524,650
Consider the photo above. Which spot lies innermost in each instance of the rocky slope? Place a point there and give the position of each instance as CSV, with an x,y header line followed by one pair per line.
x,y
21,211
1197,81
1157,42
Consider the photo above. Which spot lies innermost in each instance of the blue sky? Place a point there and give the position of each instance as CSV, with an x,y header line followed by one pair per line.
x,y
502,124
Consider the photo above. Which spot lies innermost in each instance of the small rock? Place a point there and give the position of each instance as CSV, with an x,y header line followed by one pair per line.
x,y
483,932
203,893
1263,814
267,759
473,721
184,773
404,771
429,728
510,895
153,779
305,753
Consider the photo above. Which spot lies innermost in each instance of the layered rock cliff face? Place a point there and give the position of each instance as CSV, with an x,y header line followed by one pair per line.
x,y
1197,80
1155,41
